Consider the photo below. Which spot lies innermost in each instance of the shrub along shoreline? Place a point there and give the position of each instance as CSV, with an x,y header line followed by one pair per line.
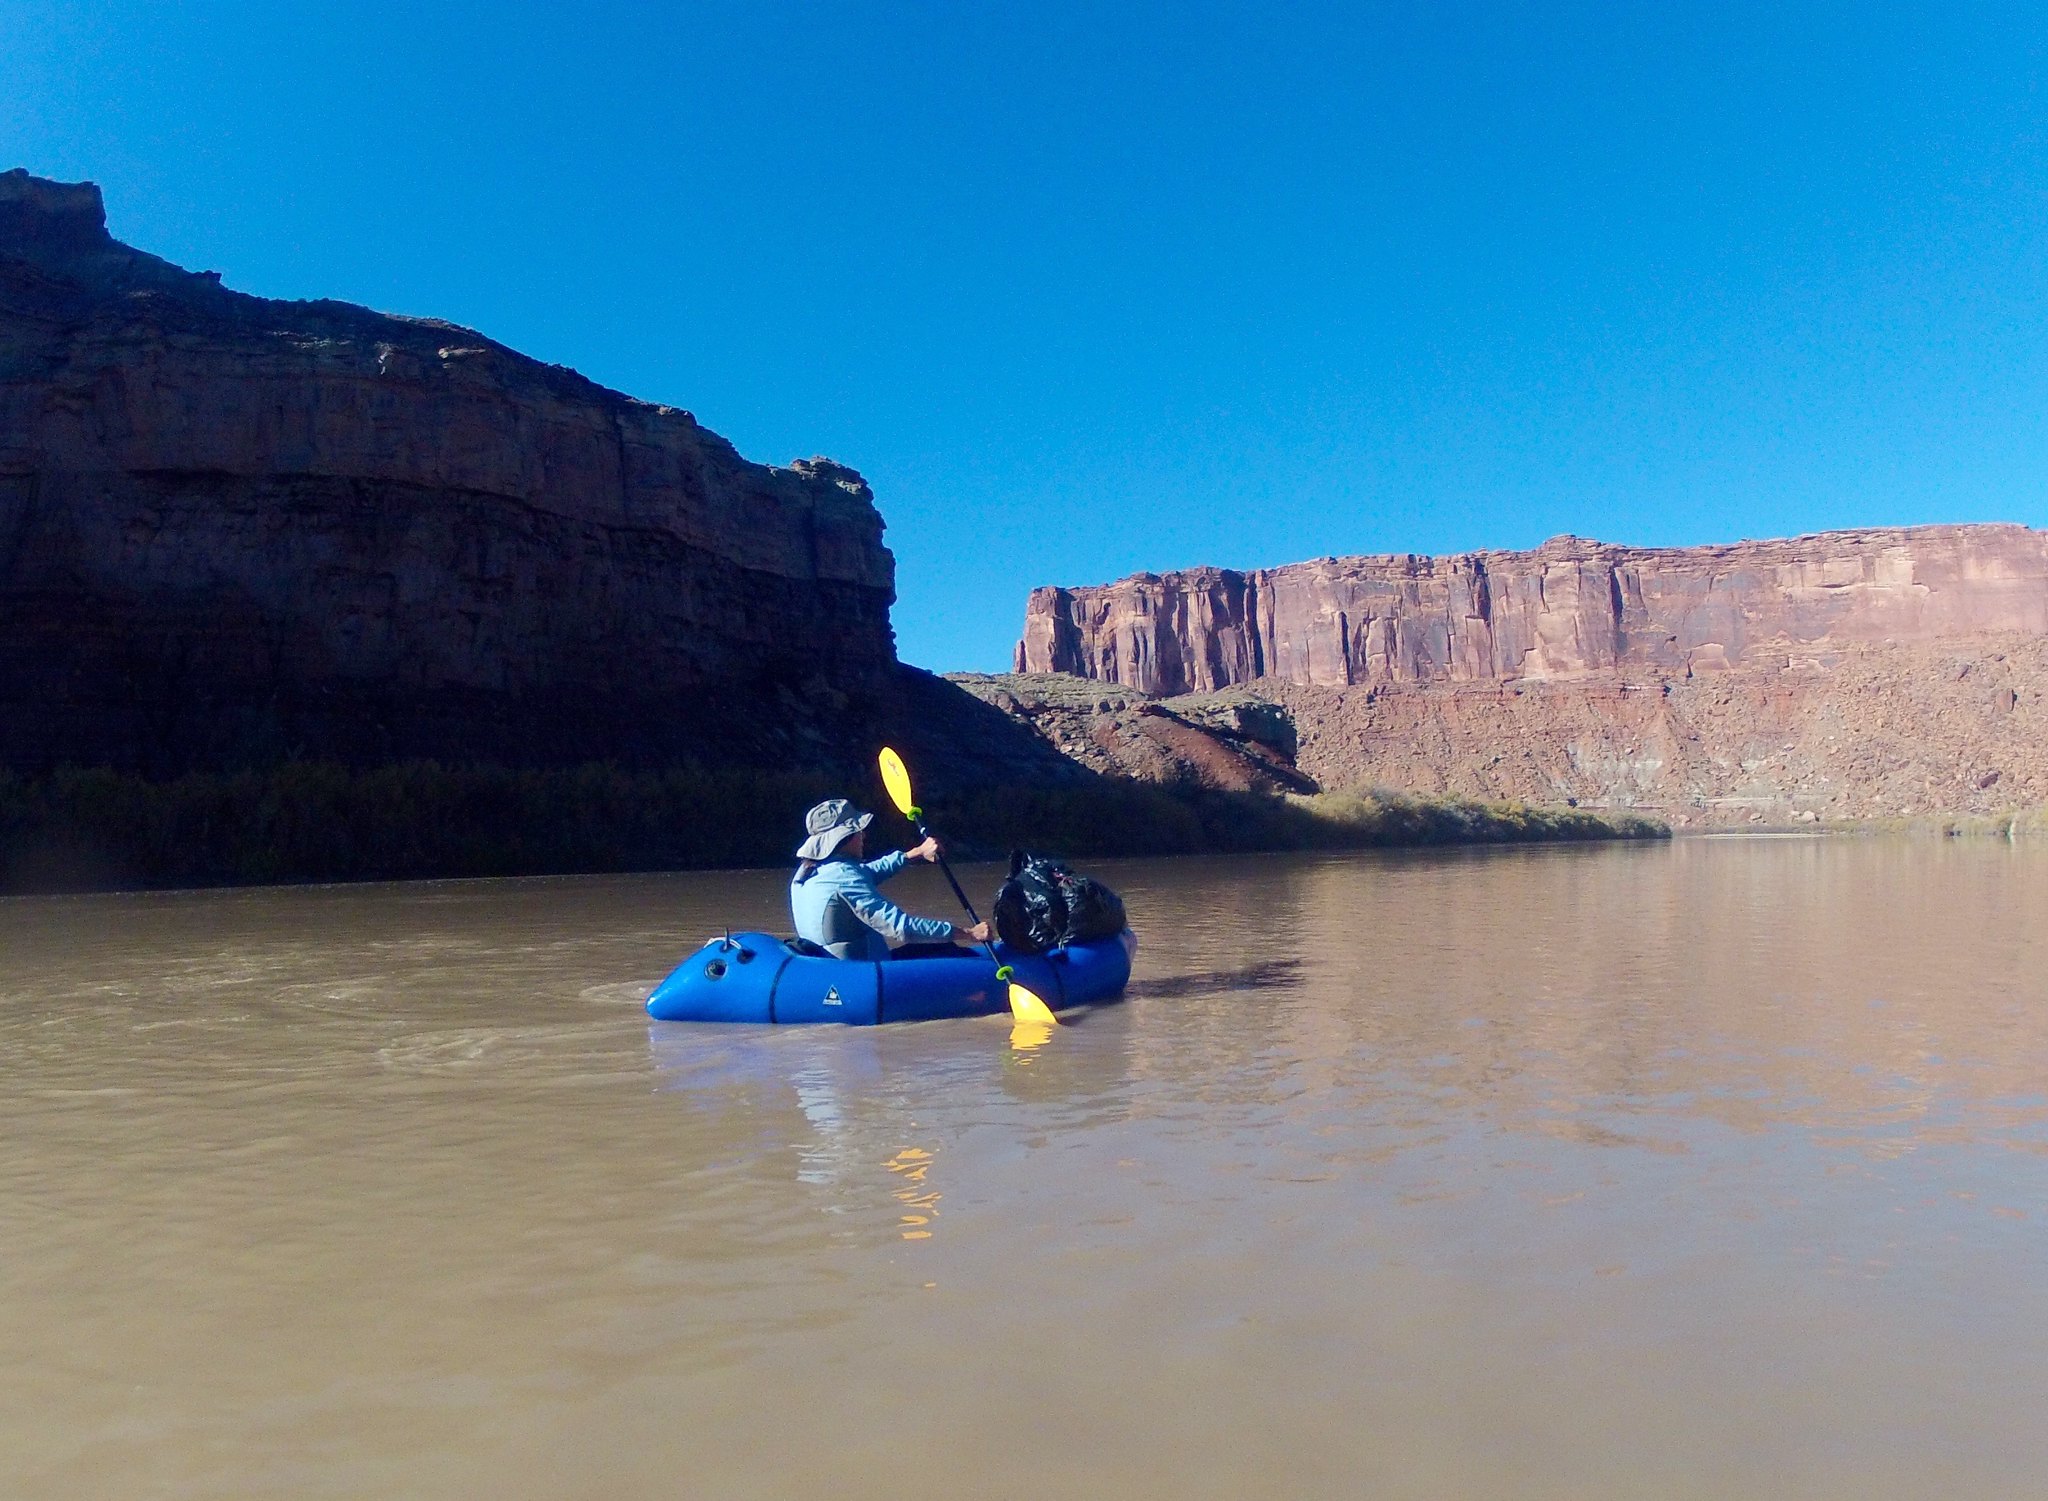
x,y
96,829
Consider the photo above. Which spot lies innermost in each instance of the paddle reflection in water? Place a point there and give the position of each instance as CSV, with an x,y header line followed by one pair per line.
x,y
1027,1037
921,1202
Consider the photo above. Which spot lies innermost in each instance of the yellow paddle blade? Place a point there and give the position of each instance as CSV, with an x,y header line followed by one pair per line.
x,y
896,777
1028,1008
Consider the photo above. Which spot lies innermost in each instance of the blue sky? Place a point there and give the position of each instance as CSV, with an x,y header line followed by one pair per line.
x,y
1092,288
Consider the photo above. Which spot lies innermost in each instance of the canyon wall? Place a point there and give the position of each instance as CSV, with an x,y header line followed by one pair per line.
x,y
1570,608
1896,674
234,528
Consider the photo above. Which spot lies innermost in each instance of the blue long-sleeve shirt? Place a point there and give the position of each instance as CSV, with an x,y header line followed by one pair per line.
x,y
837,906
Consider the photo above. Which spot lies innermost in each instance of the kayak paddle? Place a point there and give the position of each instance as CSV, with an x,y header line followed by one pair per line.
x,y
1024,1006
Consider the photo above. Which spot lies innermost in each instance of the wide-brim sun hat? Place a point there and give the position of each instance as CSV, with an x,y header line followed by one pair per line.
x,y
830,825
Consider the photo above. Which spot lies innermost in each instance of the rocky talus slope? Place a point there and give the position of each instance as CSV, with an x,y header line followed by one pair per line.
x,y
1222,742
1852,675
234,529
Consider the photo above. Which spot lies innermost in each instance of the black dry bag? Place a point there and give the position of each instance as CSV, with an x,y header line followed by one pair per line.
x,y
1047,905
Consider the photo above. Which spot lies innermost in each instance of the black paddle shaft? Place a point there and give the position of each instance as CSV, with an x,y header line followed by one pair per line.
x,y
972,916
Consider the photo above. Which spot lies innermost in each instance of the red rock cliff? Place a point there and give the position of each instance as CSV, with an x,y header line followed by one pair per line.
x,y
1571,608
233,527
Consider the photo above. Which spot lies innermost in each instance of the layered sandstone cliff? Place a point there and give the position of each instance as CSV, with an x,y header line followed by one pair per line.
x,y
233,528
1864,674
1570,608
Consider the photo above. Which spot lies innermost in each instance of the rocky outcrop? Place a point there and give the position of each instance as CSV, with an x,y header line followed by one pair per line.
x,y
1571,608
1861,675
1224,742
234,528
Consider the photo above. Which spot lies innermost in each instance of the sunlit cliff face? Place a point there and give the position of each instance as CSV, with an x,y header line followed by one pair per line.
x,y
1852,675
1569,608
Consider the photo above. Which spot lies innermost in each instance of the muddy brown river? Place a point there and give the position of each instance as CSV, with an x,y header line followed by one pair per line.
x,y
1715,1169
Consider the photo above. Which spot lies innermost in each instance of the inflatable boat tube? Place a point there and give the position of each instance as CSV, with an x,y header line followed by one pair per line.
x,y
756,977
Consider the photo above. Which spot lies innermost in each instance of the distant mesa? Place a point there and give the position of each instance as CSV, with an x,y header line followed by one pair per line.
x,y
1569,608
1888,673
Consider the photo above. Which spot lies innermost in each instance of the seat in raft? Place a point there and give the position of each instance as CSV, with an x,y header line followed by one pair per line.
x,y
757,977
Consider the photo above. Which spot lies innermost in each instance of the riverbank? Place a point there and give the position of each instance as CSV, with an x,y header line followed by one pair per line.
x,y
97,829
2017,823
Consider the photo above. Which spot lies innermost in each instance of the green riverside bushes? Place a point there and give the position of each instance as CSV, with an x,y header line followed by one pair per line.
x,y
318,821
1133,818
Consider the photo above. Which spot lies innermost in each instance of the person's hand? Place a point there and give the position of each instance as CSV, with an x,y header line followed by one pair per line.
x,y
979,933
927,852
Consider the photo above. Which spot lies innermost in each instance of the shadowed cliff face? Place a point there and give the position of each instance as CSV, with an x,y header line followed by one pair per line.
x,y
1570,608
235,529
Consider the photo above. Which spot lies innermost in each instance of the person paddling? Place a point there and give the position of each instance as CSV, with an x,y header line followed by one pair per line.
x,y
833,896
